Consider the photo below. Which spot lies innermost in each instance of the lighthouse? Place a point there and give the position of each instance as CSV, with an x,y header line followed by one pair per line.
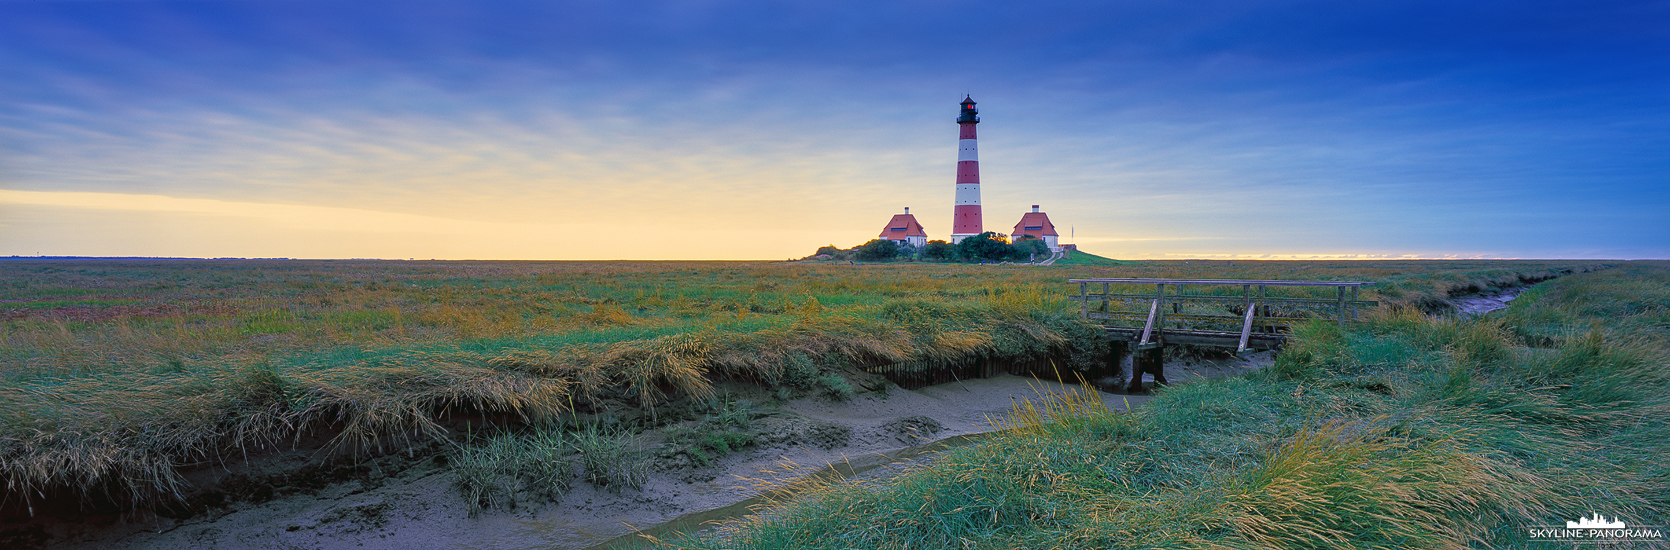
x,y
965,221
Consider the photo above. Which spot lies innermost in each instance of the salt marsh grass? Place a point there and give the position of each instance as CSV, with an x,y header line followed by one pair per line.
x,y
1405,431
114,374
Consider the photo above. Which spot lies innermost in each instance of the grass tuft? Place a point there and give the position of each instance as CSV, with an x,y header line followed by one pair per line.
x,y
609,459
539,464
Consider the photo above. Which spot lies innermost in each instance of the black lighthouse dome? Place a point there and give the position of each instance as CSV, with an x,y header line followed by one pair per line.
x,y
968,112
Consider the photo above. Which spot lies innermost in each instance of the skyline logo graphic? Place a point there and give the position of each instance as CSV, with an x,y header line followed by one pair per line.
x,y
1594,529
1596,522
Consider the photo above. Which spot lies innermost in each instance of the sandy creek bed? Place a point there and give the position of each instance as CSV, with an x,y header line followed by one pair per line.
x,y
1482,304
415,506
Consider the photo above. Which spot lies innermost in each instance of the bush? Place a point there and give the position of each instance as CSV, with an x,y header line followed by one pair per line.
x,y
986,246
938,250
1031,248
831,252
877,250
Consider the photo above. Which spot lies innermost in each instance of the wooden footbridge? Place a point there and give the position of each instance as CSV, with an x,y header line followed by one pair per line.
x,y
1142,316
1243,316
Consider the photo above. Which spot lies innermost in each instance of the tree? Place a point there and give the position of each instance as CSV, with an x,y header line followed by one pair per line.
x,y
877,250
907,251
939,250
1029,247
986,246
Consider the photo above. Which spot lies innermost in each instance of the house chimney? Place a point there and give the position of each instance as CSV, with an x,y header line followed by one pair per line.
x,y
1035,208
907,209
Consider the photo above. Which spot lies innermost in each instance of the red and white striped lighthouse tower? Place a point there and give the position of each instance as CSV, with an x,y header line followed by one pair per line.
x,y
965,221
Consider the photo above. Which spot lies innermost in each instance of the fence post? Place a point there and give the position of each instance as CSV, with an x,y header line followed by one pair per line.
x,y
1084,300
1262,294
1340,312
1160,292
1354,289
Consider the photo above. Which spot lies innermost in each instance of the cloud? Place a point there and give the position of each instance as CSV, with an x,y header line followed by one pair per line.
x,y
732,130
318,218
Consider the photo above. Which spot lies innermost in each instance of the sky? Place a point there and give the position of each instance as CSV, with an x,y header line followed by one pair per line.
x,y
492,129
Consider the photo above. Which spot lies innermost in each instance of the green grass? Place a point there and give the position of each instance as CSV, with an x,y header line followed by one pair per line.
x,y
169,363
1406,431
537,466
609,459
1081,258
726,428
541,464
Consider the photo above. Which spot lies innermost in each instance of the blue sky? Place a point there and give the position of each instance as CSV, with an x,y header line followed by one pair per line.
x,y
743,130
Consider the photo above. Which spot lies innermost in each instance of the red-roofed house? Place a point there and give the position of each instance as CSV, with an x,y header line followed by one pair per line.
x,y
903,229
1037,224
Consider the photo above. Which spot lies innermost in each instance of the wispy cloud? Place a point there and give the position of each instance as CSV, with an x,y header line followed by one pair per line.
x,y
762,131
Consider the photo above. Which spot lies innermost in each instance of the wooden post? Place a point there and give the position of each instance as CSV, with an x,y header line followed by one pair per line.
x,y
1354,290
1340,311
1153,314
1147,361
1116,355
1246,328
1084,300
1160,292
1160,366
1263,293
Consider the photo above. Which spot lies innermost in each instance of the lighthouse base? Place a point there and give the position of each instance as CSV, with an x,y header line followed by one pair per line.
x,y
955,238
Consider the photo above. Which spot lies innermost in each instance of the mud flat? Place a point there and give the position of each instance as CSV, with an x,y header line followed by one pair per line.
x,y
1480,305
409,502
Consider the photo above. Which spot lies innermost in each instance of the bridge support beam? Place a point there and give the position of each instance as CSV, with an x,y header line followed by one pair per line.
x,y
1116,358
1147,361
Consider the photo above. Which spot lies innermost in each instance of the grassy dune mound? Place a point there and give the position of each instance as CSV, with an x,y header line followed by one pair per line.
x,y
1405,432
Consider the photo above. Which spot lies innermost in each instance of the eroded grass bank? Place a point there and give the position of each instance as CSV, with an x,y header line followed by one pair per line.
x,y
117,374
1408,431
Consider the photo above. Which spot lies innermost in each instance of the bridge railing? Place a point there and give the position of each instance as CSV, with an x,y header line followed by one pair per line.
x,y
1220,312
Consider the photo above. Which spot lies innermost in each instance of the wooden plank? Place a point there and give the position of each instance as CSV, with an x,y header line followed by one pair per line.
x,y
1084,305
1221,299
1220,339
1246,328
1118,281
1148,329
1232,320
